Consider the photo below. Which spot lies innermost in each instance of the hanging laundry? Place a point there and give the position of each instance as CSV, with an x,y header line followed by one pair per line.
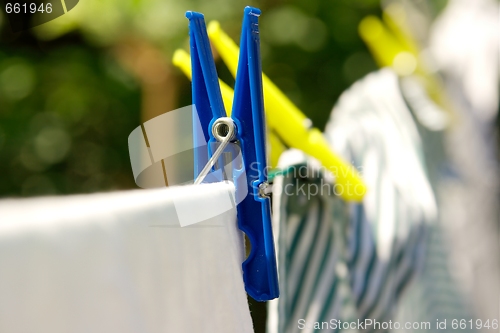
x,y
464,44
121,262
310,224
456,282
437,294
372,127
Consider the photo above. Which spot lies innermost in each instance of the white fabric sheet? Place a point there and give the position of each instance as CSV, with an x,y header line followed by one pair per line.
x,y
121,262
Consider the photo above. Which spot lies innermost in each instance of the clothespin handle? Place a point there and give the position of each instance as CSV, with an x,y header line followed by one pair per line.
x,y
206,93
254,212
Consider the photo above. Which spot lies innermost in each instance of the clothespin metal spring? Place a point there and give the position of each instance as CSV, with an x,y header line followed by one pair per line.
x,y
224,131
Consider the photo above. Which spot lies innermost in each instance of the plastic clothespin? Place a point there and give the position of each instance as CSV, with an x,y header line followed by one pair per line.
x,y
385,47
396,19
254,214
391,45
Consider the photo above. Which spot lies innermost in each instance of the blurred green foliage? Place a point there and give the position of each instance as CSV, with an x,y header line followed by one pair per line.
x,y
65,116
312,51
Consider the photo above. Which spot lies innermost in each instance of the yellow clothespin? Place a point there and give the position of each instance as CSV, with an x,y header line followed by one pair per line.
x,y
385,48
394,17
392,45
291,125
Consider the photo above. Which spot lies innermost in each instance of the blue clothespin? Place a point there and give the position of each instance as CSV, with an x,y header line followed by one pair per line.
x,y
247,119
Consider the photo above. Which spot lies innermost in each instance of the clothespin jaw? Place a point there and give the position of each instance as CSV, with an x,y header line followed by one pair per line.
x,y
253,206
